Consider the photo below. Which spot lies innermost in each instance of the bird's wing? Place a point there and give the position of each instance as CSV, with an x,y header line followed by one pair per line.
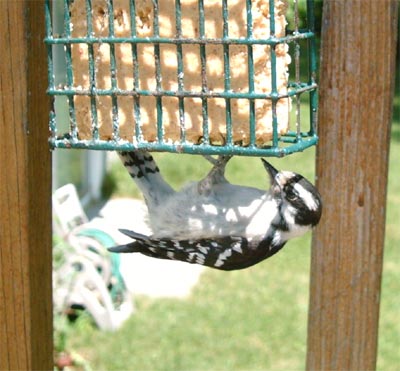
x,y
225,253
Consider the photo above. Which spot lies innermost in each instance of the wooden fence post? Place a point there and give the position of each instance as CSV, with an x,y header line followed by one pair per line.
x,y
356,94
26,327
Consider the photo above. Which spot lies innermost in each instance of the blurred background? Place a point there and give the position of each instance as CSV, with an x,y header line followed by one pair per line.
x,y
192,318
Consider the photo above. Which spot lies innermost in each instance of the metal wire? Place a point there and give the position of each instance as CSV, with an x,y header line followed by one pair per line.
x,y
294,141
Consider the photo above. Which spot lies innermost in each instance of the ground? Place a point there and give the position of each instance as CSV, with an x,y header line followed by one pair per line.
x,y
144,275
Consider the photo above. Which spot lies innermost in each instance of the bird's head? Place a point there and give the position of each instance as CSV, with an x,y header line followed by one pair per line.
x,y
299,200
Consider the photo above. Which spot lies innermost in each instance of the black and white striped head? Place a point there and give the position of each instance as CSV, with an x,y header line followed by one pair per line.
x,y
299,200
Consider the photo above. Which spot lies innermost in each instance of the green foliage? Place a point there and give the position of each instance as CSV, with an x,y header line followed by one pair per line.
x,y
303,15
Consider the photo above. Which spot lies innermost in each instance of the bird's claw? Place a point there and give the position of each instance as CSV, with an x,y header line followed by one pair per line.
x,y
216,174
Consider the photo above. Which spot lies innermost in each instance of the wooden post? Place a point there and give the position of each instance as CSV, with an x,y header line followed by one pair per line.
x,y
25,191
356,94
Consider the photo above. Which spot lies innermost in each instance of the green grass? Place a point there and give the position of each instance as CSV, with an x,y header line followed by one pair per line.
x,y
247,320
251,319
254,319
389,336
192,168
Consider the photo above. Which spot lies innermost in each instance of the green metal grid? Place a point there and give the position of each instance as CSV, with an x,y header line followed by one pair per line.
x,y
294,141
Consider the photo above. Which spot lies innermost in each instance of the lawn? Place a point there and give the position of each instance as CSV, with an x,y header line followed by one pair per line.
x,y
236,320
254,319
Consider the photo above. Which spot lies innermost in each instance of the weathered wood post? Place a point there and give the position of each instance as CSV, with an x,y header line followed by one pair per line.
x,y
356,94
26,327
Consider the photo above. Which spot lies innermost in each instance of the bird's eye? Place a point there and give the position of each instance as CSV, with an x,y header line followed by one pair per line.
x,y
291,195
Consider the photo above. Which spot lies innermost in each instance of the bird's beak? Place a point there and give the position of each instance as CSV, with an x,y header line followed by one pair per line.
x,y
271,170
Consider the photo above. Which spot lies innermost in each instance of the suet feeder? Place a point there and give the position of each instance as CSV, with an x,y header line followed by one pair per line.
x,y
205,76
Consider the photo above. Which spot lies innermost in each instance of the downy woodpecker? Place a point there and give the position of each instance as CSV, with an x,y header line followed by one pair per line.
x,y
218,224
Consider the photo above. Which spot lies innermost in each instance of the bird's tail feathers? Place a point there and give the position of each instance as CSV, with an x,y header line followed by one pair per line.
x,y
133,234
144,171
131,247
142,244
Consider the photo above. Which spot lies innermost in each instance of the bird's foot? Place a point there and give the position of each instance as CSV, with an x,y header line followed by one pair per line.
x,y
216,174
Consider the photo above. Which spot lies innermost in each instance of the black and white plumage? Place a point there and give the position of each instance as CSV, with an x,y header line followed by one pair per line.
x,y
218,224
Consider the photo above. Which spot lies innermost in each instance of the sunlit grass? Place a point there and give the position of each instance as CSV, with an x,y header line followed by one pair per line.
x,y
251,319
246,320
389,334
254,319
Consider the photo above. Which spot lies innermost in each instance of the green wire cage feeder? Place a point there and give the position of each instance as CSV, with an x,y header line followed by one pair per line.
x,y
194,76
